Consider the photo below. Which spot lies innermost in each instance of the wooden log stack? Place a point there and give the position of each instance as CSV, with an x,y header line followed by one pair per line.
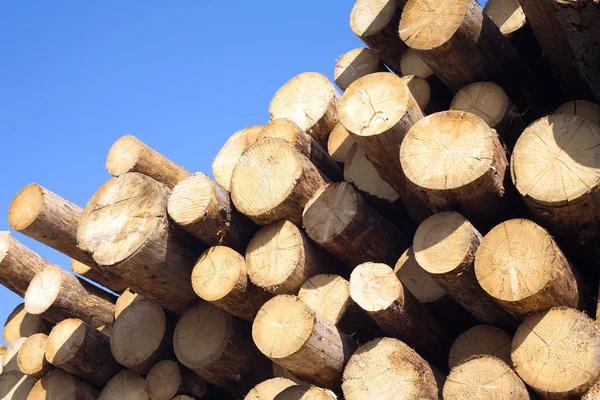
x,y
454,254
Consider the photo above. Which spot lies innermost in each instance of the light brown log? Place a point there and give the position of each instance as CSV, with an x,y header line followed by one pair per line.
x,y
449,314
309,100
583,108
507,15
203,208
484,377
522,268
404,375
18,264
490,102
126,385
97,276
32,356
378,291
142,336
20,323
445,246
287,130
301,392
593,393
15,386
412,64
79,349
281,257
454,161
183,397
378,110
126,298
129,154
168,379
230,153
57,385
228,358
462,45
272,181
339,143
329,296
555,167
426,97
269,389
10,357
580,20
375,22
3,351
338,219
288,332
220,276
556,353
479,340
55,294
356,64
48,218
125,226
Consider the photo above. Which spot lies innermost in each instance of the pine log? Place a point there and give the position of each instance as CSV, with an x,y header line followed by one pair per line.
x,y
356,64
272,181
329,296
375,22
428,101
454,161
378,110
558,53
287,130
20,323
288,332
445,246
593,393
378,291
57,385
583,108
269,389
3,351
310,101
10,357
168,379
79,349
480,340
388,369
55,294
129,154
220,276
203,208
281,257
451,316
412,64
490,102
230,153
339,220
484,377
142,336
228,359
339,143
301,392
126,298
48,218
126,385
15,386
32,356
522,268
580,20
555,167
18,264
97,276
125,226
461,44
556,353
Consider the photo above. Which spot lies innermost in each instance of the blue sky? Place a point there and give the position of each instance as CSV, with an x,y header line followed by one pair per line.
x,y
181,76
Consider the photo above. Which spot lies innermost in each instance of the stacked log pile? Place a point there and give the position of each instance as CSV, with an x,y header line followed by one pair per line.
x,y
430,233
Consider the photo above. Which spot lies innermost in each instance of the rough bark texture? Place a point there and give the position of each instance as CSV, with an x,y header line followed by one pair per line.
x,y
32,356
97,276
58,385
168,379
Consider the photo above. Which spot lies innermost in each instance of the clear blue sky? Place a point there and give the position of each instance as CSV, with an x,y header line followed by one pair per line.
x,y
181,76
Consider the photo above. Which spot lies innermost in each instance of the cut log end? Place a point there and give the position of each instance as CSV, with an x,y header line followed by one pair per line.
x,y
190,199
583,108
123,155
126,298
56,385
26,207
65,341
43,290
269,389
412,64
361,172
327,295
16,386
163,380
420,90
484,377
506,14
32,356
301,392
374,286
125,385
217,272
339,143
356,64
10,357
369,17
480,340
20,323
487,100
418,281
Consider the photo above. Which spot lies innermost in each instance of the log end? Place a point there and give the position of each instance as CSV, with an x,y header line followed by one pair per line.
x,y
420,90
20,324
412,64
480,340
125,300
163,380
370,17
125,385
302,392
123,155
43,289
269,389
583,108
64,341
328,295
506,14
25,207
339,143
361,172
418,281
217,272
15,385
56,384
374,286
32,355
355,64
191,198
487,100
